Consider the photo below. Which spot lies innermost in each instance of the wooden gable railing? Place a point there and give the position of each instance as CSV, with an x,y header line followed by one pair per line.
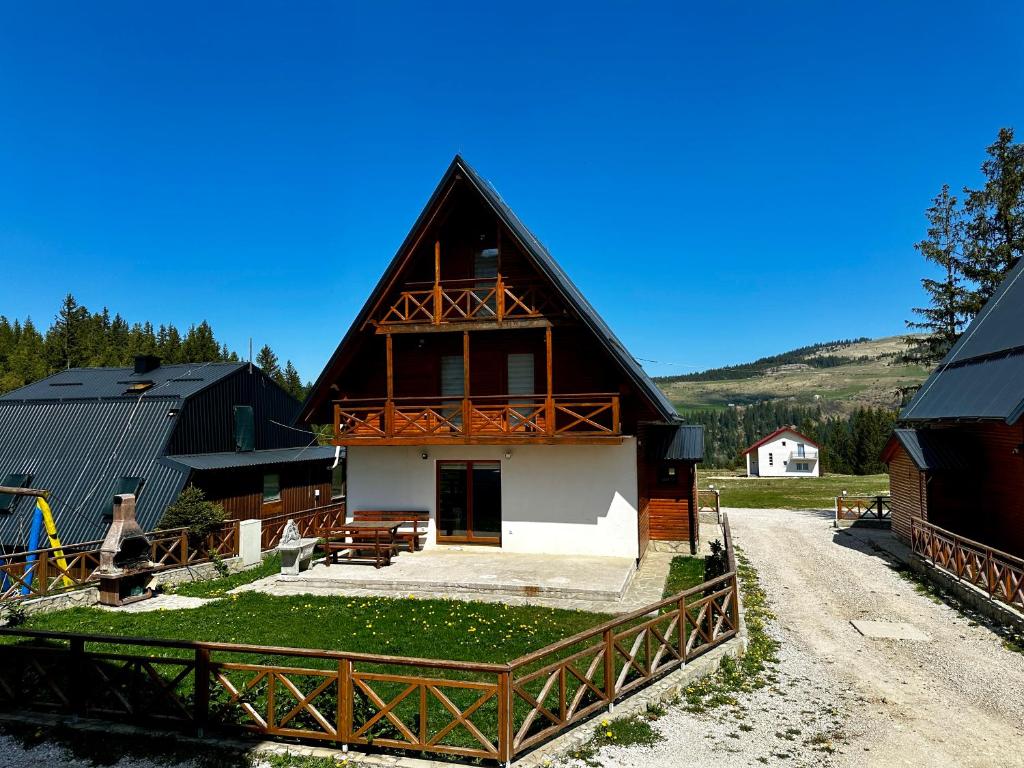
x,y
513,416
468,300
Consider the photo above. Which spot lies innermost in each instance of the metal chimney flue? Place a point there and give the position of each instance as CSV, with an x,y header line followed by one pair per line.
x,y
146,363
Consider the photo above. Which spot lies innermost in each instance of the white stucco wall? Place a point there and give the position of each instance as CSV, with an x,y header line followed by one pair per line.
x,y
558,499
781,463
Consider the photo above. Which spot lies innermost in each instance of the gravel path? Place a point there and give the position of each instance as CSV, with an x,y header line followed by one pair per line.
x,y
842,699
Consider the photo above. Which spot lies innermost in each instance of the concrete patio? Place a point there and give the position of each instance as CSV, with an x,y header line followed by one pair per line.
x,y
474,573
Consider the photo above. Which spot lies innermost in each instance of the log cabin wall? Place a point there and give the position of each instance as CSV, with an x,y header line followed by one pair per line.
x,y
907,489
240,491
669,505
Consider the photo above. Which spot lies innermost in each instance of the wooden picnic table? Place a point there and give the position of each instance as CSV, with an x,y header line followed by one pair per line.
x,y
374,540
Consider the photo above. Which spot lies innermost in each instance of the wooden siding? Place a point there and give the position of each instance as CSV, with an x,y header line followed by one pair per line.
x,y
668,509
983,500
906,486
241,490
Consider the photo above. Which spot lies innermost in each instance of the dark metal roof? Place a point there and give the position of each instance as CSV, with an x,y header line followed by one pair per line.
x,y
982,377
930,450
544,261
78,450
233,459
675,442
182,380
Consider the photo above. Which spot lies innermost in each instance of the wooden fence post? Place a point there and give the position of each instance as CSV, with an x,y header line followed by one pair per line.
x,y
683,636
80,692
201,673
609,667
506,720
345,695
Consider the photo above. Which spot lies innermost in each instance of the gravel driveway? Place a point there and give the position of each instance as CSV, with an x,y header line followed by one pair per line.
x,y
955,700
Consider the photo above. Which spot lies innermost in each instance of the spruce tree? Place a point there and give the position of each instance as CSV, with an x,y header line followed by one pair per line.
x,y
268,362
293,382
994,226
944,319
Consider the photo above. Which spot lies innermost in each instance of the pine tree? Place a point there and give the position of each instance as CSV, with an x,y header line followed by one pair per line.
x,y
268,362
293,382
994,228
199,345
64,339
944,319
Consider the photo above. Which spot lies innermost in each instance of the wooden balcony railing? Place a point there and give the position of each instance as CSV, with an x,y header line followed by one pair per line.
x,y
521,416
452,301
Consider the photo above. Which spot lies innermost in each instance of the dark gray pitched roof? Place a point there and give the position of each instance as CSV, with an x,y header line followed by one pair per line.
x,y
544,261
233,459
78,450
982,377
182,380
676,442
931,450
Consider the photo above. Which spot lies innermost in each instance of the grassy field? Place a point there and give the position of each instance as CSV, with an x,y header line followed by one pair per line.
x,y
790,493
446,629
839,389
684,572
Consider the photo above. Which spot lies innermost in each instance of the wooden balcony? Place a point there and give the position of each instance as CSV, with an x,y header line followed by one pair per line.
x,y
489,419
456,302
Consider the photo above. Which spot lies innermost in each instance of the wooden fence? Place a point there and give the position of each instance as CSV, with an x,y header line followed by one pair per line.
x,y
998,573
48,571
710,500
487,711
309,522
863,507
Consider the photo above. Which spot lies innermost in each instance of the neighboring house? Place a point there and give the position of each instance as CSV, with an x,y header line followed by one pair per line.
x,y
783,453
478,384
87,433
957,458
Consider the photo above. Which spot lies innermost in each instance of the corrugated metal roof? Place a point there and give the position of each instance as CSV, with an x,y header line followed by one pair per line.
x,y
982,377
931,450
78,449
233,459
545,262
180,380
677,442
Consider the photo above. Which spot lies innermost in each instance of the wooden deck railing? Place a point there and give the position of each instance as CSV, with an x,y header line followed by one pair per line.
x,y
512,416
998,573
48,571
863,507
469,300
309,521
490,711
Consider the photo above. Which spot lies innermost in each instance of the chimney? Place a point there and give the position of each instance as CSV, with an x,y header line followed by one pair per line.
x,y
146,363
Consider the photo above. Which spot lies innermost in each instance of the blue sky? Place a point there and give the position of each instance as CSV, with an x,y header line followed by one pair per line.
x,y
691,165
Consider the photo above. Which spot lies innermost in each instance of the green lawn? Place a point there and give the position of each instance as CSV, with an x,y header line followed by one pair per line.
x,y
684,572
790,493
440,629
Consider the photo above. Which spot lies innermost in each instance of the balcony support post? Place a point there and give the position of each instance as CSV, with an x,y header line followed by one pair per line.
x,y
389,406
437,282
467,410
499,297
549,400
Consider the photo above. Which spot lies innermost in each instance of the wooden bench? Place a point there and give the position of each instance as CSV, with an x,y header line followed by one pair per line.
x,y
362,541
410,534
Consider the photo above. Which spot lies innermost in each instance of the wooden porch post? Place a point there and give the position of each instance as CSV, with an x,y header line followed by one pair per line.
x,y
467,420
549,401
389,415
437,282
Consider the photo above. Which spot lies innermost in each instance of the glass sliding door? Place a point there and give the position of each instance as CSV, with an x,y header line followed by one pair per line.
x,y
469,502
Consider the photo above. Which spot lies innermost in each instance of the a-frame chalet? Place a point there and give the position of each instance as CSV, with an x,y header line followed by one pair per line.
x,y
478,384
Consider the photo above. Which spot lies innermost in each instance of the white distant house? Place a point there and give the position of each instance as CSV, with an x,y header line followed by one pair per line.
x,y
783,453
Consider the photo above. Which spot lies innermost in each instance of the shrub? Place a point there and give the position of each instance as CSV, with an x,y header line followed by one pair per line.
x,y
192,510
717,563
